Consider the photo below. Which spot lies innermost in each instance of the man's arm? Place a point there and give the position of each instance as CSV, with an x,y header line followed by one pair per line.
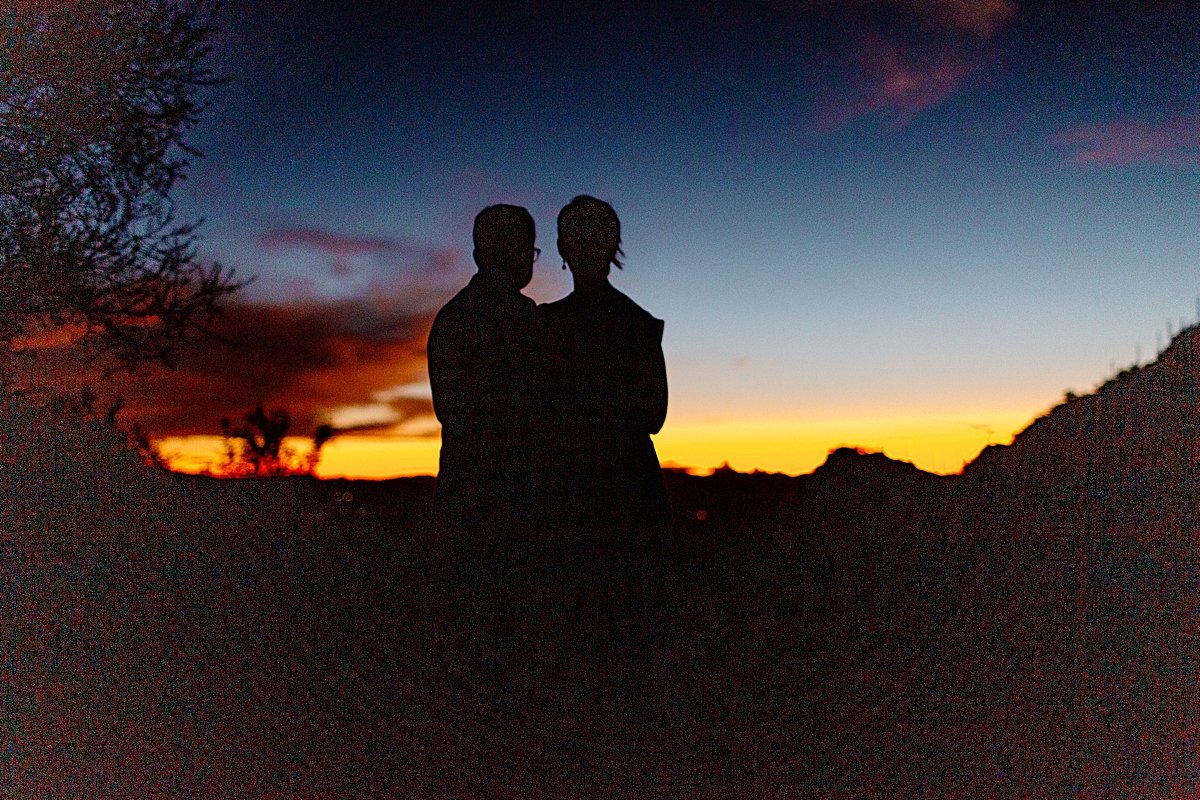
x,y
448,375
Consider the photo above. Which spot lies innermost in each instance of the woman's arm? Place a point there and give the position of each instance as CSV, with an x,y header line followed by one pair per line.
x,y
645,402
656,390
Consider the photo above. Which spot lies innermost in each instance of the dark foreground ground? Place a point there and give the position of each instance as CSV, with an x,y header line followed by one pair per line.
x,y
1030,628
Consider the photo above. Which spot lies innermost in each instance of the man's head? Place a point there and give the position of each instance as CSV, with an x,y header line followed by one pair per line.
x,y
504,237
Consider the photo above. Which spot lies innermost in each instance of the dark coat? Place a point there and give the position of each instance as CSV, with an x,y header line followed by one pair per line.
x,y
609,393
482,353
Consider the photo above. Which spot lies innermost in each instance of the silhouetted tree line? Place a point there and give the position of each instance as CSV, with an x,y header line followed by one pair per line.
x,y
97,98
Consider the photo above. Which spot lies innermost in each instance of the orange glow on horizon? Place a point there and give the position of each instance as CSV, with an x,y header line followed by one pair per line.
x,y
933,443
363,457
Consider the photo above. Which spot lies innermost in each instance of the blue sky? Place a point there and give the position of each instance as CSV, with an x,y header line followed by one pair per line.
x,y
847,213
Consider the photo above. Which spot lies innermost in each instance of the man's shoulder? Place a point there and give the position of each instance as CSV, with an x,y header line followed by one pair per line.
x,y
449,314
479,301
634,316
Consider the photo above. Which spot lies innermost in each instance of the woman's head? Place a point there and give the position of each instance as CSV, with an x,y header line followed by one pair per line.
x,y
589,236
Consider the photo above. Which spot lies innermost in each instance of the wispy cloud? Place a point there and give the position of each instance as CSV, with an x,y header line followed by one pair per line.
x,y
900,71
344,249
978,17
1122,142
896,80
384,417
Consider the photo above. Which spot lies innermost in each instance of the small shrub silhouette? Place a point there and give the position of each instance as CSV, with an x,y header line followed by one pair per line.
x,y
256,448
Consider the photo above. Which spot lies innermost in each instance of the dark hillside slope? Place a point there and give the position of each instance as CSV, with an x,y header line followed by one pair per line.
x,y
1077,634
1092,517
1027,629
1129,452
1024,629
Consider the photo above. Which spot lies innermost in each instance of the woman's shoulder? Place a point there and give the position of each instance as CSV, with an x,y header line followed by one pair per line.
x,y
610,306
636,315
619,298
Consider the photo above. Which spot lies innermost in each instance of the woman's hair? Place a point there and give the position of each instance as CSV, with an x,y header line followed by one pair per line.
x,y
588,219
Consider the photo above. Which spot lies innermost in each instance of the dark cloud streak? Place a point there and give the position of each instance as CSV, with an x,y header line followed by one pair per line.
x,y
306,353
306,358
309,354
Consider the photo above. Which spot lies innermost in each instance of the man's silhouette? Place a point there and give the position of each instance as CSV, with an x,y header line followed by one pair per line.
x,y
482,362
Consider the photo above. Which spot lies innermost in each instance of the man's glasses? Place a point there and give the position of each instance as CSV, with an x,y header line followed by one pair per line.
x,y
537,252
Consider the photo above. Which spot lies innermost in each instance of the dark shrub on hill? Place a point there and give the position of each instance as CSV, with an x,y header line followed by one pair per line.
x,y
62,473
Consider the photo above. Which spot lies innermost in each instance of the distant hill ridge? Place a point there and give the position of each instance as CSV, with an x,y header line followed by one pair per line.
x,y
1147,418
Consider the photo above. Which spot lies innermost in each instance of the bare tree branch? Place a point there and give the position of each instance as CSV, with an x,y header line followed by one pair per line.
x,y
96,100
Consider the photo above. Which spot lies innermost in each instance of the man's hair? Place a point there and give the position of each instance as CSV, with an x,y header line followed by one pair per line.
x,y
589,219
500,229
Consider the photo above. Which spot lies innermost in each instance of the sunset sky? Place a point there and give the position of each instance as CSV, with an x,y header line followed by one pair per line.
x,y
906,225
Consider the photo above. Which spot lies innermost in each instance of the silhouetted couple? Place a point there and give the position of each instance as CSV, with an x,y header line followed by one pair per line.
x,y
547,411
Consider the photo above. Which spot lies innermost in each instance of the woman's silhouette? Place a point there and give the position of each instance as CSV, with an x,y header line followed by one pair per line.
x,y
609,390
606,502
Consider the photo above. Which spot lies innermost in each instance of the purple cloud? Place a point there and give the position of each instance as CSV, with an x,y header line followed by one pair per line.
x,y
978,17
895,79
342,248
1122,142
903,76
